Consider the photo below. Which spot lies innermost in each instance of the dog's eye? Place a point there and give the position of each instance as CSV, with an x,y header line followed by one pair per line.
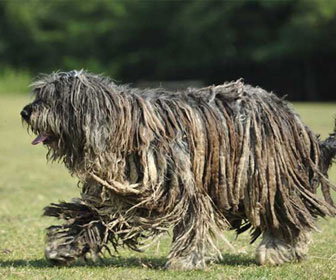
x,y
40,103
37,101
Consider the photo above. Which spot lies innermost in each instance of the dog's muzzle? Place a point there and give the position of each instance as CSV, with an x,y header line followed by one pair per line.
x,y
26,112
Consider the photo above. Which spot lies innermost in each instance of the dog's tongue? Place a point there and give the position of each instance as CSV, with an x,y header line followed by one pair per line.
x,y
39,139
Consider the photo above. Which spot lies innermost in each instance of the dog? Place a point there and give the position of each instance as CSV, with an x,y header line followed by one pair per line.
x,y
198,161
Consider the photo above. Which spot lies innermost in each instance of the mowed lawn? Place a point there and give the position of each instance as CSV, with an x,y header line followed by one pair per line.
x,y
28,183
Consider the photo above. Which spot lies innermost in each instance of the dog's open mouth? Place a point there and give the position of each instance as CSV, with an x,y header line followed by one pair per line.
x,y
41,138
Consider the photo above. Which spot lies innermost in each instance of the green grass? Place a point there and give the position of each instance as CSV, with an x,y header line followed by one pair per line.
x,y
14,81
28,183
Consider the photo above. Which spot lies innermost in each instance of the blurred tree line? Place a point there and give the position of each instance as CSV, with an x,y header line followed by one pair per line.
x,y
285,46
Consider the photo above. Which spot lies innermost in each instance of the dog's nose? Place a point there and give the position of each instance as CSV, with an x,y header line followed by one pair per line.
x,y
26,112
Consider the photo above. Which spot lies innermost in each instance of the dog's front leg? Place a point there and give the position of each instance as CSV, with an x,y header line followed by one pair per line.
x,y
193,243
188,250
82,233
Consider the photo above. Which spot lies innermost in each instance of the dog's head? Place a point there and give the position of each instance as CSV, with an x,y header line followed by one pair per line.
x,y
70,114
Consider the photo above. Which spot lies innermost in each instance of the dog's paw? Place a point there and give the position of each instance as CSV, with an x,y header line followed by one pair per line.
x,y
60,256
62,248
275,251
274,255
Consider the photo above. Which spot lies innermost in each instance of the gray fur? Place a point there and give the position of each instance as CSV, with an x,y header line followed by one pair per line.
x,y
201,161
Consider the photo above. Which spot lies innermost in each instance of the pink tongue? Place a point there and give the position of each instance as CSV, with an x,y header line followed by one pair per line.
x,y
39,139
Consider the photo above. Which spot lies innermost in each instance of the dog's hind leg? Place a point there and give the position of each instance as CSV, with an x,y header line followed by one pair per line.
x,y
275,250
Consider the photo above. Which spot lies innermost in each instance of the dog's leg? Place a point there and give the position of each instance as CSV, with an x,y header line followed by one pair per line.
x,y
194,233
274,250
193,237
62,247
188,248
80,234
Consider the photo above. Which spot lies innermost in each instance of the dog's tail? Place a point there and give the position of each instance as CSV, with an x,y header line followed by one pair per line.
x,y
328,155
328,151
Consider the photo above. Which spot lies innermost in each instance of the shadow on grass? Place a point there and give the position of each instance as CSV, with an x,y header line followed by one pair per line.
x,y
155,263
236,260
130,262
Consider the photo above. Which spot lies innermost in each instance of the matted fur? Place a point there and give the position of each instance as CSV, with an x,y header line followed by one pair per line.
x,y
201,161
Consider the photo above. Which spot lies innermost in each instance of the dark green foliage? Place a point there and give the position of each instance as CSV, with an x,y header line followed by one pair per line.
x,y
285,46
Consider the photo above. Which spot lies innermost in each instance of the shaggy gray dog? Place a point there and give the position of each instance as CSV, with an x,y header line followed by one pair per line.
x,y
199,161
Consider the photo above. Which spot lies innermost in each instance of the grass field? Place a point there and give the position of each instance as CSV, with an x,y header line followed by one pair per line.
x,y
28,183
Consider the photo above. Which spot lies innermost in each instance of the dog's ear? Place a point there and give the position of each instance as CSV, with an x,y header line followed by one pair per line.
x,y
98,140
91,114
